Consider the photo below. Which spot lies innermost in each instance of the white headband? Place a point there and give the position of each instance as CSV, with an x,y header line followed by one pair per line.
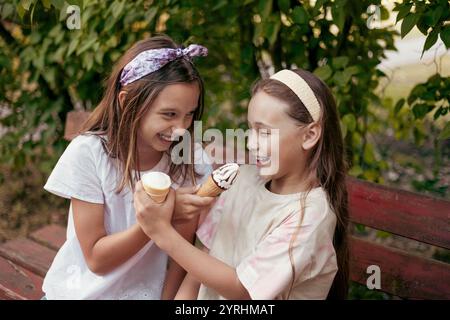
x,y
303,91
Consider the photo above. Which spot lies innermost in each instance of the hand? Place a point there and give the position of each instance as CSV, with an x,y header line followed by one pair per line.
x,y
153,217
188,205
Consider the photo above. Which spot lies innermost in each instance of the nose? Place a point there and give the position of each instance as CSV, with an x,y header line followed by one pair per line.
x,y
178,132
252,143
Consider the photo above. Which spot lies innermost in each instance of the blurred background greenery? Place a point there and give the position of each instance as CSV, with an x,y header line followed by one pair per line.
x,y
394,110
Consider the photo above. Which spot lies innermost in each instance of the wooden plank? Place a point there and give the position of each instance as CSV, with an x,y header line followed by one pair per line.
x,y
17,283
402,274
422,218
51,236
28,254
74,121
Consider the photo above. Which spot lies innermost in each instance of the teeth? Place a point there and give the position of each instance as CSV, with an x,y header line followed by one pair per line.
x,y
263,159
165,137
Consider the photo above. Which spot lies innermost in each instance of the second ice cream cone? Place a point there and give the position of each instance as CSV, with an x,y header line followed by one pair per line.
x,y
209,188
220,180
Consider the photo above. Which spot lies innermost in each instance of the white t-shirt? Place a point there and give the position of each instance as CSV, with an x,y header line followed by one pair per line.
x,y
85,172
250,229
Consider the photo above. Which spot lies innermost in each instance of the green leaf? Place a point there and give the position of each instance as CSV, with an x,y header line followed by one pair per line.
x,y
272,32
86,44
340,62
408,23
438,112
404,10
7,10
284,5
341,78
47,4
350,121
445,134
299,15
20,11
26,4
265,8
422,26
355,171
323,72
399,105
219,5
117,8
58,4
420,110
72,46
317,6
445,36
353,70
431,40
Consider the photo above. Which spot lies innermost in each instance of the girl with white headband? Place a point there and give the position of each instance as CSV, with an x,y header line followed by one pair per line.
x,y
153,92
280,231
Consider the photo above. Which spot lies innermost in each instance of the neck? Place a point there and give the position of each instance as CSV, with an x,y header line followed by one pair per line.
x,y
293,182
148,157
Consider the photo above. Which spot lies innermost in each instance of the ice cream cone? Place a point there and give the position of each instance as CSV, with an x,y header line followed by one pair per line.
x,y
209,188
220,180
157,185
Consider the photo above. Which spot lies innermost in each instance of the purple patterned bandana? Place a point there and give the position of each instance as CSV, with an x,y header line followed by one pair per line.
x,y
151,60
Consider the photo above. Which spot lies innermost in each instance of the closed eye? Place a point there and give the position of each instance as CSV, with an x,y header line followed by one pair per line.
x,y
169,114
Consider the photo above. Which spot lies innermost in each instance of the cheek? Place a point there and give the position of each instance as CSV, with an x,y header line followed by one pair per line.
x,y
286,149
152,126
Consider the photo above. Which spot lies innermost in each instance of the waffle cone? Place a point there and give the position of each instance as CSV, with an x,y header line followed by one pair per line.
x,y
158,195
209,188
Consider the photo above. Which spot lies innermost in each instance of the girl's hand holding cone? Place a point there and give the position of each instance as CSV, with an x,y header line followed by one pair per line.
x,y
189,205
151,215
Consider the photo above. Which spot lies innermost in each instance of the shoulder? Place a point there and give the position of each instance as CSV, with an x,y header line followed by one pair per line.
x,y
319,216
86,146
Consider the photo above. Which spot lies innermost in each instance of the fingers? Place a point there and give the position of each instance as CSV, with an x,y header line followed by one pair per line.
x,y
198,201
188,190
170,196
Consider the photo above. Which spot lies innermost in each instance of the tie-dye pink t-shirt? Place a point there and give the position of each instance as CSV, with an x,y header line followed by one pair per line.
x,y
250,229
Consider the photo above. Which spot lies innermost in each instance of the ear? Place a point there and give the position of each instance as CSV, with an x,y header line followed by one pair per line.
x,y
122,96
311,135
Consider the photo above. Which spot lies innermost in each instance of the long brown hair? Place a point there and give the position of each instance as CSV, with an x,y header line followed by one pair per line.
x,y
120,123
326,164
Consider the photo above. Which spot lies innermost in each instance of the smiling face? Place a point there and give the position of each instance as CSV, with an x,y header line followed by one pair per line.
x,y
170,114
275,138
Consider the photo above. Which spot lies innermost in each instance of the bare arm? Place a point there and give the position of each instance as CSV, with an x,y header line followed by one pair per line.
x,y
188,289
175,273
206,269
213,273
190,286
103,252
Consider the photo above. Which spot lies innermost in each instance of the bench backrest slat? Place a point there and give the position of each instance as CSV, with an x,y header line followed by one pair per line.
x,y
402,274
415,216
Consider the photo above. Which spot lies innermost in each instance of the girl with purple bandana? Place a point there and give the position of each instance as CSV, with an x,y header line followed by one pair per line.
x,y
153,95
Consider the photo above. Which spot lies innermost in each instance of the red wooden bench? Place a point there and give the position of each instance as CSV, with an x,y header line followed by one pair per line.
x,y
24,261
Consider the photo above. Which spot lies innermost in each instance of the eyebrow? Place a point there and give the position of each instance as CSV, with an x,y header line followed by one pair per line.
x,y
172,109
261,124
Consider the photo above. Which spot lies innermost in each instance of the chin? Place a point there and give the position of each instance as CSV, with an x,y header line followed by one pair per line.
x,y
268,172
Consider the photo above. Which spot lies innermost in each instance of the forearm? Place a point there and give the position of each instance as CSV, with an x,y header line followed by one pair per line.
x,y
111,251
208,270
174,277
175,273
189,289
